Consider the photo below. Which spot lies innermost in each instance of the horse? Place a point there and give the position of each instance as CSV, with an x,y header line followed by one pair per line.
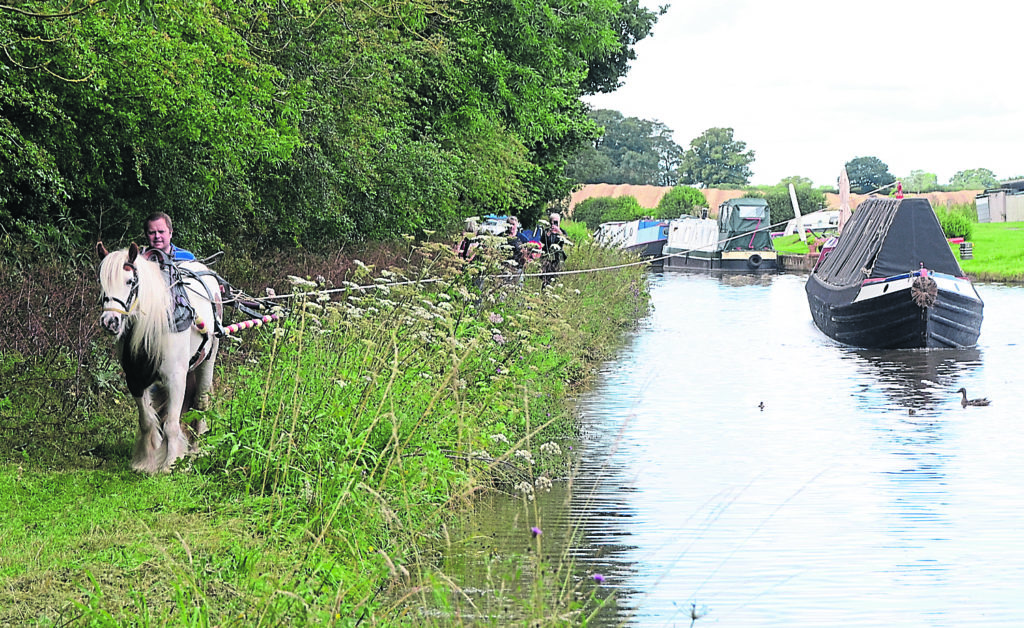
x,y
167,371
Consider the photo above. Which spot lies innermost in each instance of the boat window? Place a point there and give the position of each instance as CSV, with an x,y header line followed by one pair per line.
x,y
751,211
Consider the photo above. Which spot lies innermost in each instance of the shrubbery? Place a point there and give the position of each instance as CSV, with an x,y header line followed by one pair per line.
x,y
679,201
957,220
594,211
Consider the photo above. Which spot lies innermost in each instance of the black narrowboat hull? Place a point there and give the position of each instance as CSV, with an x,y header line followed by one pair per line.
x,y
728,261
894,313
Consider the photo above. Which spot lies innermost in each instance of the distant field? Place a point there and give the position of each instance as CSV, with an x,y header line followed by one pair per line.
x,y
998,252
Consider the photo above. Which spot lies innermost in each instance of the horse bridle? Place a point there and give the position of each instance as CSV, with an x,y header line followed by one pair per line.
x,y
129,304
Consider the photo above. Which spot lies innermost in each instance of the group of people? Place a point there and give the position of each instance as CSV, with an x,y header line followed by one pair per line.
x,y
549,246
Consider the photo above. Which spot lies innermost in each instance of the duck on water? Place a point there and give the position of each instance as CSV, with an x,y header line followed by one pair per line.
x,y
981,401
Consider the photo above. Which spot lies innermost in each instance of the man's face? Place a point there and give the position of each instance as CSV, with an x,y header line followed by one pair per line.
x,y
159,235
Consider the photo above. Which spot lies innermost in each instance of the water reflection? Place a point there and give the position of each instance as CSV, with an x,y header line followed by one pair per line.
x,y
918,380
861,495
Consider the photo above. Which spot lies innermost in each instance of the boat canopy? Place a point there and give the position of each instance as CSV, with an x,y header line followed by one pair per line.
x,y
693,234
887,237
741,216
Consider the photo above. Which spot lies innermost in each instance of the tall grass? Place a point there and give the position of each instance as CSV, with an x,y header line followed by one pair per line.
x,y
342,446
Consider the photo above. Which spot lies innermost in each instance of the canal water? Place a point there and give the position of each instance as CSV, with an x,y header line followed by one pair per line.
x,y
739,465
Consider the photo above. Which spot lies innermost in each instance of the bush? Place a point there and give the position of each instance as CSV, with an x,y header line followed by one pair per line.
x,y
679,201
955,224
594,211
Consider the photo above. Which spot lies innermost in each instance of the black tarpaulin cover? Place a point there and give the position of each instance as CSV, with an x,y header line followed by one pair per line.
x,y
887,237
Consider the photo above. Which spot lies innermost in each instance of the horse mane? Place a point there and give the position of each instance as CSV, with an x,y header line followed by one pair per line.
x,y
150,320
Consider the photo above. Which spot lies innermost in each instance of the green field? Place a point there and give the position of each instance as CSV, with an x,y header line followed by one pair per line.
x,y
998,251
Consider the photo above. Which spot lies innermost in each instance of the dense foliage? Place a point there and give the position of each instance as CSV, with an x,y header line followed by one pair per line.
x,y
958,220
293,122
715,158
975,179
781,205
868,174
630,150
594,211
681,200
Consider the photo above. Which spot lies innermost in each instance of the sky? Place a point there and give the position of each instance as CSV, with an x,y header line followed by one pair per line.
x,y
809,85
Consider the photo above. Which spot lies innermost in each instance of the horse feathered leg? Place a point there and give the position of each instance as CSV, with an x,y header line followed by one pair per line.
x,y
146,455
175,443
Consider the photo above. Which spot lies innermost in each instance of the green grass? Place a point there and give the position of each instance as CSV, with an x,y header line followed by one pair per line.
x,y
341,449
998,251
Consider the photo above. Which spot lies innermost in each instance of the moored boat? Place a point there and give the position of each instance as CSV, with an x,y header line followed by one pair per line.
x,y
645,237
737,241
892,282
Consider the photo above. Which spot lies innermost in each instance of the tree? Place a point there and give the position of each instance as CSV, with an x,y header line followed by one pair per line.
x,y
797,181
976,179
781,205
680,200
920,181
633,23
868,174
634,151
715,158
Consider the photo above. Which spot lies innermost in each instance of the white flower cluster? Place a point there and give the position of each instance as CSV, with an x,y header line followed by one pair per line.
x,y
499,438
525,489
543,484
525,455
551,449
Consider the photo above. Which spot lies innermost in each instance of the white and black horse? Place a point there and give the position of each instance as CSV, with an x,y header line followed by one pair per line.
x,y
167,371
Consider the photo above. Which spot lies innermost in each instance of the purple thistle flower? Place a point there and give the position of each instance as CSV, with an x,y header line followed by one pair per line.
x,y
536,531
598,578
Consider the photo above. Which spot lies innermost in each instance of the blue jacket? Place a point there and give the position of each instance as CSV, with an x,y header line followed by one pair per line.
x,y
181,255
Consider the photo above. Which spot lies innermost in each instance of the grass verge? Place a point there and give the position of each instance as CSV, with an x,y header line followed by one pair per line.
x,y
343,444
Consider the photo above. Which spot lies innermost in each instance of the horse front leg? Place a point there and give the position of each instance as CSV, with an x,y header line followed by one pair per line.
x,y
146,455
175,443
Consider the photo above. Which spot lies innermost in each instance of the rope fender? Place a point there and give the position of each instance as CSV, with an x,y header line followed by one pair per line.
x,y
924,291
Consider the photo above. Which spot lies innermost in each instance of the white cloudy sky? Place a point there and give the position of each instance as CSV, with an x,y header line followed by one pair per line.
x,y
810,84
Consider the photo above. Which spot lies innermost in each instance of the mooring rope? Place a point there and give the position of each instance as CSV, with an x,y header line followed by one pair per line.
x,y
581,271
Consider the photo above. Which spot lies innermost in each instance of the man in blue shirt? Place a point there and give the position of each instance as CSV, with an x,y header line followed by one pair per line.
x,y
158,232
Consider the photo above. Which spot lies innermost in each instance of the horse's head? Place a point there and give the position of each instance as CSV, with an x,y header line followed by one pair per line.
x,y
119,286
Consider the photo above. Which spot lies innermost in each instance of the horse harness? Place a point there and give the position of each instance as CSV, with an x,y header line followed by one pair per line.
x,y
183,315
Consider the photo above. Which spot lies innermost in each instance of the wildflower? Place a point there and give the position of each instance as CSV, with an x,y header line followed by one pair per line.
x,y
271,293
351,285
498,338
499,438
551,448
543,483
526,489
576,291
381,280
495,318
429,232
387,273
525,455
300,282
598,578
360,264
536,531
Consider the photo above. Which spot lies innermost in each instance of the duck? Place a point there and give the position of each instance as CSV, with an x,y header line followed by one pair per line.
x,y
983,401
